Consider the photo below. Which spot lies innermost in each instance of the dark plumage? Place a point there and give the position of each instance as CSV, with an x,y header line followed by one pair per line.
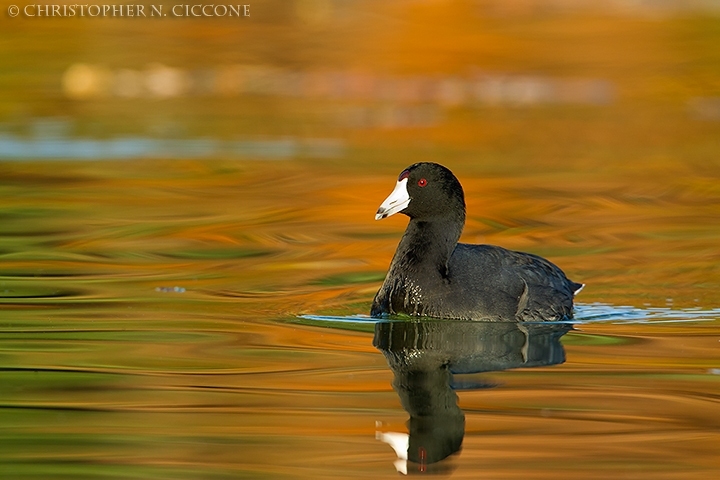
x,y
433,275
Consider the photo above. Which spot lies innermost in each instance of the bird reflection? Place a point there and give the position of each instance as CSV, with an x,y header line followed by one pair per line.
x,y
424,355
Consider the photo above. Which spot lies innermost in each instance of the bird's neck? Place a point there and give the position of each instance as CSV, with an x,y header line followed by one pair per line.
x,y
429,242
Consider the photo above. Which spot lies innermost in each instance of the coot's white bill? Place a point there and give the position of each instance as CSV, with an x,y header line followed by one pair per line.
x,y
396,202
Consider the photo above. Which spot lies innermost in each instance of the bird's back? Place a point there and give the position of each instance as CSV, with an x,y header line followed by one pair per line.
x,y
497,280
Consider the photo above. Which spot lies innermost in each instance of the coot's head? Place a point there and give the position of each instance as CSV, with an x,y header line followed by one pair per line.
x,y
425,191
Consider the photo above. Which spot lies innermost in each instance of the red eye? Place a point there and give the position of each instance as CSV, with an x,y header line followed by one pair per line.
x,y
422,182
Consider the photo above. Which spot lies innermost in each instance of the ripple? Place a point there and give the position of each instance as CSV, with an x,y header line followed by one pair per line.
x,y
363,323
584,313
38,292
601,312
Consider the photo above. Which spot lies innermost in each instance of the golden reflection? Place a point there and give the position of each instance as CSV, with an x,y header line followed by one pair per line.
x,y
174,192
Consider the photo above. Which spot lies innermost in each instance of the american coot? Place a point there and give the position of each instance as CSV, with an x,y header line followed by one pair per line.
x,y
433,275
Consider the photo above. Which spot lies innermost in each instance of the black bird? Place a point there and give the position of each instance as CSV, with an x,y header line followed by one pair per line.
x,y
433,275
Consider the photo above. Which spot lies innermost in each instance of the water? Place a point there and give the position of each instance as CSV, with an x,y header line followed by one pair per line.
x,y
188,252
198,320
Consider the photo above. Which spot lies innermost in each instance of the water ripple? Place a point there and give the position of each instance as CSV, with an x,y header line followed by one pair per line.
x,y
584,313
601,312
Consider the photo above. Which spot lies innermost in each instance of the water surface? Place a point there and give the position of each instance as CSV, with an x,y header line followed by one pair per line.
x,y
197,320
